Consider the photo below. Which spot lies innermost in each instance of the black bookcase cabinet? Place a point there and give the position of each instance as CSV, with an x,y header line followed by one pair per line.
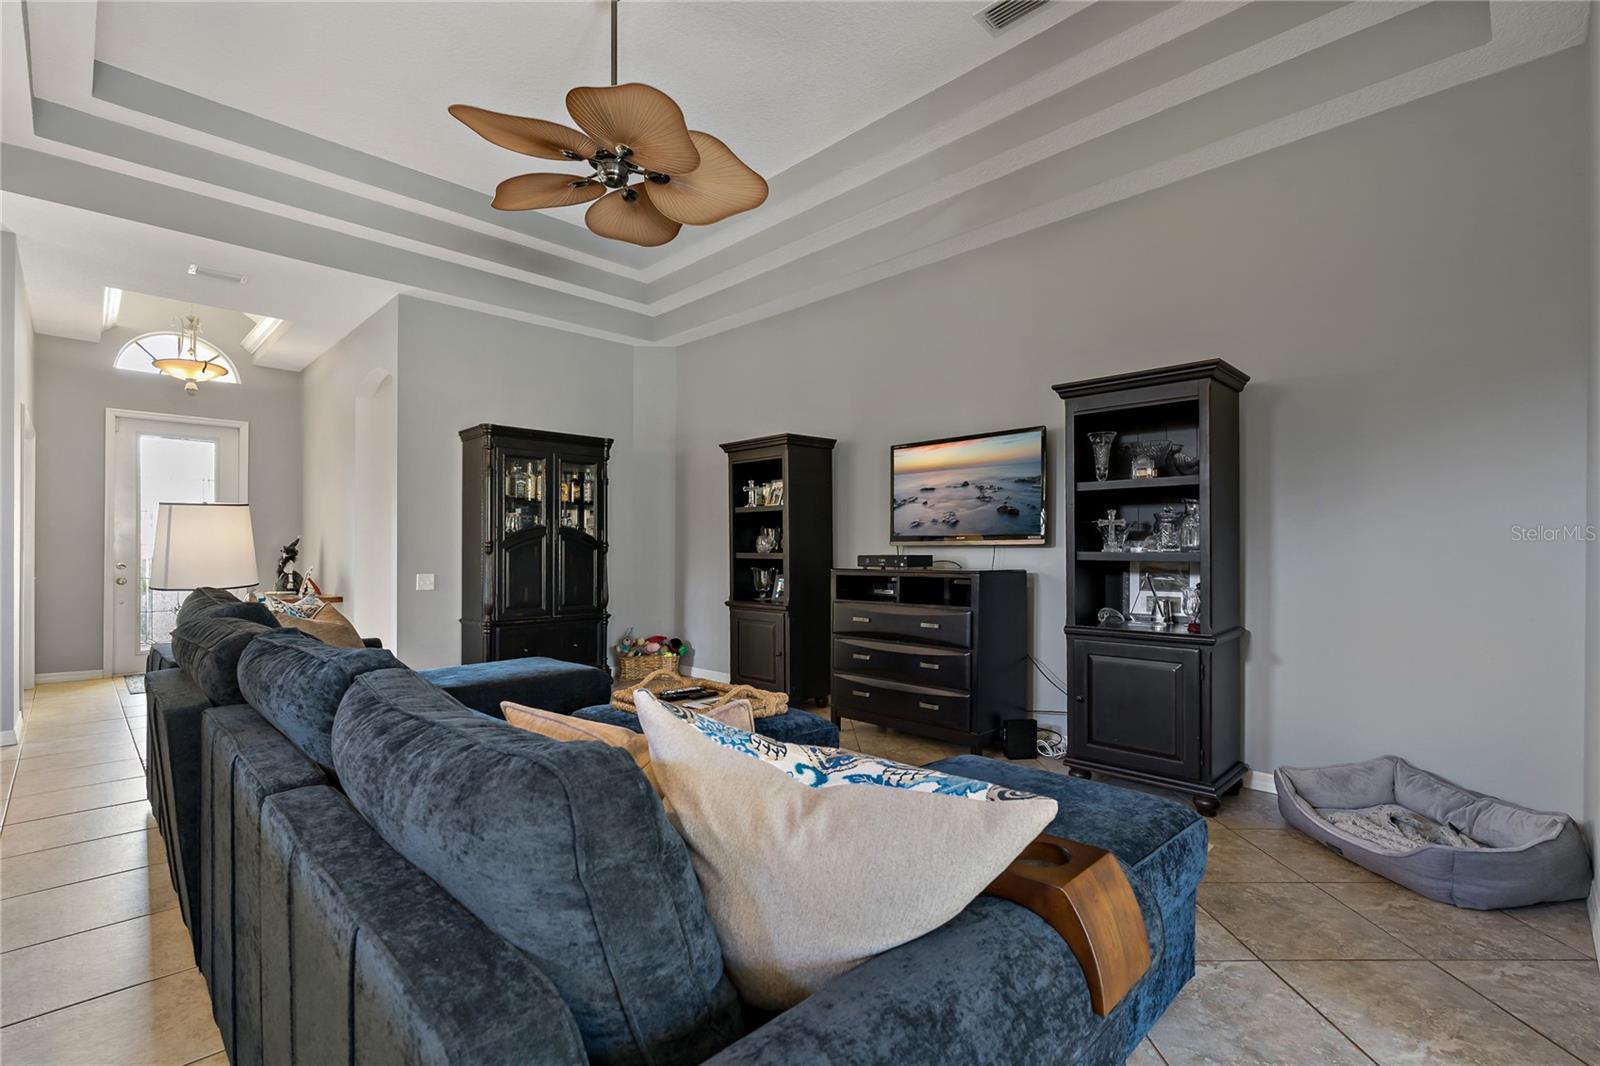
x,y
781,643
533,545
937,653
1161,705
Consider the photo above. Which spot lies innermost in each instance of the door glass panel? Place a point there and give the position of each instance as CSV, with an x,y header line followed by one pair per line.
x,y
523,557
171,470
524,493
580,497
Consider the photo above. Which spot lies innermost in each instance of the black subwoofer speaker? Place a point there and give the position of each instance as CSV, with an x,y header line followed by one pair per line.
x,y
1020,738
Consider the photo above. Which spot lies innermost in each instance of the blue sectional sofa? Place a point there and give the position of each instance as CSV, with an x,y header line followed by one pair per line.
x,y
388,875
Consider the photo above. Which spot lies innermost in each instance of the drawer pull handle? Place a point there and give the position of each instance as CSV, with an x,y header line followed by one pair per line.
x,y
929,625
859,618
929,666
928,706
863,695
863,658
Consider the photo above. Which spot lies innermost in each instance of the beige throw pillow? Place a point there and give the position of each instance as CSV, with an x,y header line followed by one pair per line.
x,y
328,626
775,856
564,727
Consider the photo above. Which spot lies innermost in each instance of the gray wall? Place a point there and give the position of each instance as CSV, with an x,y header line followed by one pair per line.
x,y
1592,781
16,418
1409,296
349,469
459,368
74,385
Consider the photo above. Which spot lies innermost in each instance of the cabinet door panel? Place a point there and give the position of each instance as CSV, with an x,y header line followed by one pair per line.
x,y
1137,706
760,641
521,489
578,571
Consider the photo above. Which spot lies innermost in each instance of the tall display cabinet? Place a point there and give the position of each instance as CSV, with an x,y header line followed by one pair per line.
x,y
533,545
1156,695
778,636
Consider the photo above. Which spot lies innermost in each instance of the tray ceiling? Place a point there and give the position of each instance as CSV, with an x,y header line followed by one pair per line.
x,y
893,134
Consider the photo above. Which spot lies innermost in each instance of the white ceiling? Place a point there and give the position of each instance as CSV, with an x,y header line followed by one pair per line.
x,y
778,82
70,256
307,145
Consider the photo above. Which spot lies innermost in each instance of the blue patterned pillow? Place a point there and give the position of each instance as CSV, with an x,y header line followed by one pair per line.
x,y
827,767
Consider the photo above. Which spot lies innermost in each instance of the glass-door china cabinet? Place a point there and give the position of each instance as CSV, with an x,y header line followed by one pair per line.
x,y
533,545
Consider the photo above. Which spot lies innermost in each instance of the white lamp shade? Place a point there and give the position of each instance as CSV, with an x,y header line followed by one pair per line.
x,y
203,545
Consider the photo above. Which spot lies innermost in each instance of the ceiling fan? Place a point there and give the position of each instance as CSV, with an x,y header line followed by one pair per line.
x,y
651,174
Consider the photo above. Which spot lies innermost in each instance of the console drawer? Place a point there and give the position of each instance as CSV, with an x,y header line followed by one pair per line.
x,y
910,703
939,667
930,625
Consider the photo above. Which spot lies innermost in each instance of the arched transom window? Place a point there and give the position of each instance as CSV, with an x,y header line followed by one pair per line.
x,y
140,354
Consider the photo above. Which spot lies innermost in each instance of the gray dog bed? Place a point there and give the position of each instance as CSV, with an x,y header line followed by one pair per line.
x,y
1446,842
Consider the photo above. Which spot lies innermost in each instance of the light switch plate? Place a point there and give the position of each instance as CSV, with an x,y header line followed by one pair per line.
x,y
424,582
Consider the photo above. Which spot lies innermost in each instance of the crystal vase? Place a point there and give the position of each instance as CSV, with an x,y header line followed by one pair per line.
x,y
1101,443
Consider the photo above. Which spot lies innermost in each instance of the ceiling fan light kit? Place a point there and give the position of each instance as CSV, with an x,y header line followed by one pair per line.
x,y
651,174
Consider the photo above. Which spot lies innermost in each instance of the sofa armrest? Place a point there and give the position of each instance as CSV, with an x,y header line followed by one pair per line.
x,y
172,782
375,963
548,684
994,984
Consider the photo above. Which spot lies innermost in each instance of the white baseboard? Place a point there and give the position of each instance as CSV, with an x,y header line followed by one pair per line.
x,y
8,738
712,675
1256,781
67,675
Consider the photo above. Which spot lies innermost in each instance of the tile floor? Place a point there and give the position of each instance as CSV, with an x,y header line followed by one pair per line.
x,y
96,966
1304,958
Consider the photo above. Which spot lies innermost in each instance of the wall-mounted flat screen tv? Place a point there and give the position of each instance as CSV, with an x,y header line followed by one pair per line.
x,y
984,489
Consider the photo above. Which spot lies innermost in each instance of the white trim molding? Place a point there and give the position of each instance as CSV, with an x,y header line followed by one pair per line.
x,y
1257,781
63,676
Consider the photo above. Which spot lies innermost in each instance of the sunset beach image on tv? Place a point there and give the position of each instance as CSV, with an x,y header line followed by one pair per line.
x,y
979,488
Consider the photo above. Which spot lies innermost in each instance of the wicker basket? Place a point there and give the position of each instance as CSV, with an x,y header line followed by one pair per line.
x,y
763,704
634,668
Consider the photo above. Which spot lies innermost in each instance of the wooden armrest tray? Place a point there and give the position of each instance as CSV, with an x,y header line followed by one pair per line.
x,y
1084,895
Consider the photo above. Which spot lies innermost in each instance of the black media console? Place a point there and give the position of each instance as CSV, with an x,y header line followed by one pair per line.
x,y
939,653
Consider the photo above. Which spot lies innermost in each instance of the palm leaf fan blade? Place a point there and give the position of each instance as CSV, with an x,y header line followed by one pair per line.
x,y
637,221
720,187
530,136
640,117
527,192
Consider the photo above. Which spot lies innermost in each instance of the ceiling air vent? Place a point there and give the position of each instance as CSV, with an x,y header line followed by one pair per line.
x,y
998,16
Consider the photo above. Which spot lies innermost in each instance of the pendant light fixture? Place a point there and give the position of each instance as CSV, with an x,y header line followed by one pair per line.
x,y
188,366
651,174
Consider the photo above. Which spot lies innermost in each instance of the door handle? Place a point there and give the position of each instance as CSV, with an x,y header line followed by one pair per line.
x,y
122,581
928,706
860,618
863,658
1078,698
122,566
863,695
929,625
928,666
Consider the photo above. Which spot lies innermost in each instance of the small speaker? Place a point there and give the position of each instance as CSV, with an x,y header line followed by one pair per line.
x,y
1020,738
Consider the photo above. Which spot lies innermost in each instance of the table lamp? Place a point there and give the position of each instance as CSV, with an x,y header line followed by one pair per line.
x,y
203,545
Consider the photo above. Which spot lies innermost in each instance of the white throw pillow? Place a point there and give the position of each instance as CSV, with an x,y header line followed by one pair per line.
x,y
808,874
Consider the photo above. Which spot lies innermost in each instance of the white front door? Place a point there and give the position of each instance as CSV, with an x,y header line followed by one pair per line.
x,y
155,459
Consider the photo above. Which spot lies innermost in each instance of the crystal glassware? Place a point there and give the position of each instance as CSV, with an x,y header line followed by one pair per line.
x,y
1148,455
1100,441
1114,531
767,540
1189,526
1167,535
763,580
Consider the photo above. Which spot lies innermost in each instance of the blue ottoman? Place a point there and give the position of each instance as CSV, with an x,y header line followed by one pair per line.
x,y
794,726
548,684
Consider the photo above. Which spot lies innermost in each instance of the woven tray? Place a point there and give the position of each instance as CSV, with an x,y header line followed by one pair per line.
x,y
763,704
